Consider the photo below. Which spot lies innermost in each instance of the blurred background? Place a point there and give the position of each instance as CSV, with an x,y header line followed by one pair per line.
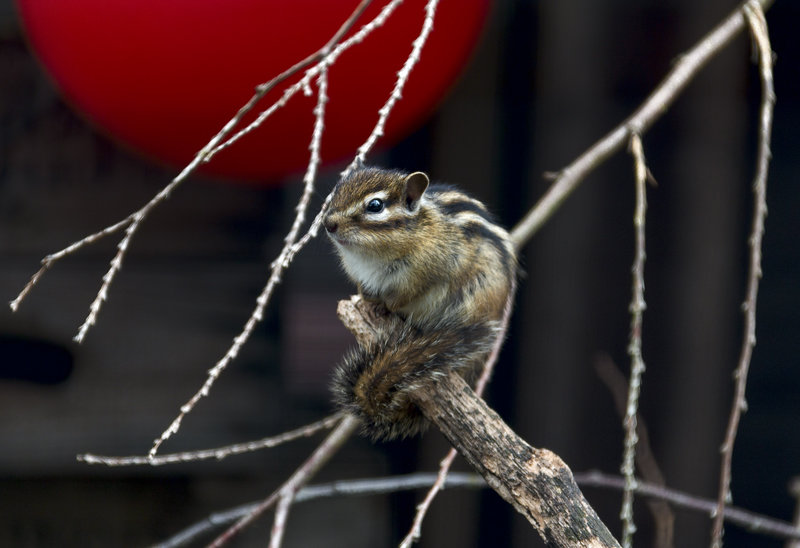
x,y
546,80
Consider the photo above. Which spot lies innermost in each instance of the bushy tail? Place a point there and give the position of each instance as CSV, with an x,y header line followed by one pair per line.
x,y
375,382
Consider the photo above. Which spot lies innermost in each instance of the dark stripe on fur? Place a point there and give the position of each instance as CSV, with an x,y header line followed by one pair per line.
x,y
473,230
460,206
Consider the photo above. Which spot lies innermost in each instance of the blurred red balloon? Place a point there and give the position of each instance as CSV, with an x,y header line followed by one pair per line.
x,y
162,77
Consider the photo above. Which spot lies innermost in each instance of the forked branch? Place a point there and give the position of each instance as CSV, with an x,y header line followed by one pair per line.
x,y
687,66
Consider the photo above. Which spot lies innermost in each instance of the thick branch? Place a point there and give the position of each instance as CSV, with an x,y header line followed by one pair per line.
x,y
536,482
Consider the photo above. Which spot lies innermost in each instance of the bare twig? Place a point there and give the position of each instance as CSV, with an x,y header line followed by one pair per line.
x,y
361,487
751,521
384,111
348,425
301,476
278,265
794,490
646,462
402,77
637,308
48,261
569,178
687,66
422,508
322,54
293,244
132,222
754,15
281,515
218,453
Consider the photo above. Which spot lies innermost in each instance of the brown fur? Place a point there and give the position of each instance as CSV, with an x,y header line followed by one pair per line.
x,y
434,256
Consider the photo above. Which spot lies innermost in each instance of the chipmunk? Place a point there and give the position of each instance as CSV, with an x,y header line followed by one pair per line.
x,y
435,257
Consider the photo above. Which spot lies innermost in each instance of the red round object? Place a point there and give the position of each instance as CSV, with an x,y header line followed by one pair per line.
x,y
163,77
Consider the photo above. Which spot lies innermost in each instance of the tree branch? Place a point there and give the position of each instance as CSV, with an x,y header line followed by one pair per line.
x,y
536,482
444,466
758,27
217,453
687,66
284,495
359,487
637,308
794,490
646,462
750,521
756,523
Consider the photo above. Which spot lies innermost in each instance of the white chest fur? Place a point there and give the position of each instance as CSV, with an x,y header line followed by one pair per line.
x,y
374,275
382,280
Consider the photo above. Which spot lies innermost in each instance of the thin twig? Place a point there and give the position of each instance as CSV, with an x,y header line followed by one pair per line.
x,y
656,104
758,27
133,221
291,247
301,476
218,453
360,487
48,261
794,491
325,451
402,77
637,308
315,57
329,54
277,266
646,462
385,110
422,508
281,516
751,521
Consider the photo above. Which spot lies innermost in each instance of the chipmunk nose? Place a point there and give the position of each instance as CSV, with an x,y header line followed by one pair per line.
x,y
330,226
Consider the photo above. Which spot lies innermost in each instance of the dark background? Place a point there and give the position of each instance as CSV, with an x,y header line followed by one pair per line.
x,y
548,79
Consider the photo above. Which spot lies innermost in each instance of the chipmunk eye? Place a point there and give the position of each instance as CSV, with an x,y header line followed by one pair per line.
x,y
375,205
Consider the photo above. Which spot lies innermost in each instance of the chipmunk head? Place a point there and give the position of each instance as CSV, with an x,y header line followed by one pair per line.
x,y
375,212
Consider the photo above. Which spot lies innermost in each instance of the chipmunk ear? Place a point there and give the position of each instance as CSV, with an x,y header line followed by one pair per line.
x,y
416,183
